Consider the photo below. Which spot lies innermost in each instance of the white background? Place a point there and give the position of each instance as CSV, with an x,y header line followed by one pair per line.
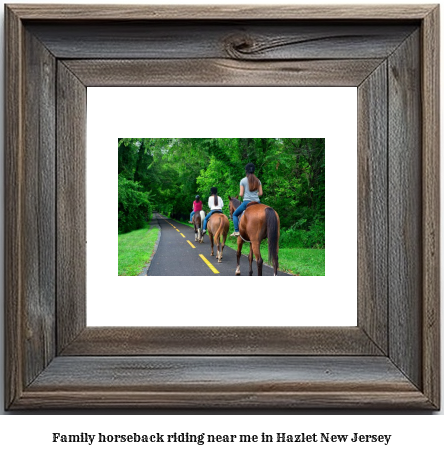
x,y
230,112
412,433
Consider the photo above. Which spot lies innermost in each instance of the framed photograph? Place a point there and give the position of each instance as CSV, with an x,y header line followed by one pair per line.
x,y
389,359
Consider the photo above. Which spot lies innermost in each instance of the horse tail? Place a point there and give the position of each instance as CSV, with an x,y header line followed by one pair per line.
x,y
220,230
273,236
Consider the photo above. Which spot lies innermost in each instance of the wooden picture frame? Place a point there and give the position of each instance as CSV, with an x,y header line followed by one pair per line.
x,y
390,360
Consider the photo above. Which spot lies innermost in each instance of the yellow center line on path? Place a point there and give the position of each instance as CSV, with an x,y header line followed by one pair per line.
x,y
182,235
191,244
177,230
209,264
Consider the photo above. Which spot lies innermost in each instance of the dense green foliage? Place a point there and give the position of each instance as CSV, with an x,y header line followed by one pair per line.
x,y
134,206
171,171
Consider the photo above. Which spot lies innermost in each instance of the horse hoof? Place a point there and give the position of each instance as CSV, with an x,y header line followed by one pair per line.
x,y
238,273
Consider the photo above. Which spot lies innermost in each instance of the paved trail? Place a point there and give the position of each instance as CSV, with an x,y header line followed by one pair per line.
x,y
179,255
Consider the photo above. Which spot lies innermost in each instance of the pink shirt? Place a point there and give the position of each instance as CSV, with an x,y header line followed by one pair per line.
x,y
197,205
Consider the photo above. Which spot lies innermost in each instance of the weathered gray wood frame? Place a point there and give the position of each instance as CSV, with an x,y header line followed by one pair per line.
x,y
390,360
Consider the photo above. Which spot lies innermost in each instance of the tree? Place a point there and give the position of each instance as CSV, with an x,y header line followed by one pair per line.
x,y
173,170
134,205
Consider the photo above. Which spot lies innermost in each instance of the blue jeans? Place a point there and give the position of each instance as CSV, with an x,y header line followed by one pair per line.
x,y
191,216
238,212
208,216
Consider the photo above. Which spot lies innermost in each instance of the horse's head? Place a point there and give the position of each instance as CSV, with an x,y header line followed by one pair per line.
x,y
234,204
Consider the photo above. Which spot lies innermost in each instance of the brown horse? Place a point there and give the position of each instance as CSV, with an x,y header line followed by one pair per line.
x,y
218,226
258,222
197,223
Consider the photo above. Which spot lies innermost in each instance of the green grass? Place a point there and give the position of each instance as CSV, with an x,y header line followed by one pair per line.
x,y
300,262
136,249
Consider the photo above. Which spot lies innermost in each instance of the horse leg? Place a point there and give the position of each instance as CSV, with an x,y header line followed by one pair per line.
x,y
210,235
256,247
196,234
219,251
223,245
250,260
217,241
239,253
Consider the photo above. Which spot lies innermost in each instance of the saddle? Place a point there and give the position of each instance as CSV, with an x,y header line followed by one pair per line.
x,y
215,212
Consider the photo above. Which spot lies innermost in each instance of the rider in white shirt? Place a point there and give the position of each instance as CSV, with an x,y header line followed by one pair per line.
x,y
215,204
